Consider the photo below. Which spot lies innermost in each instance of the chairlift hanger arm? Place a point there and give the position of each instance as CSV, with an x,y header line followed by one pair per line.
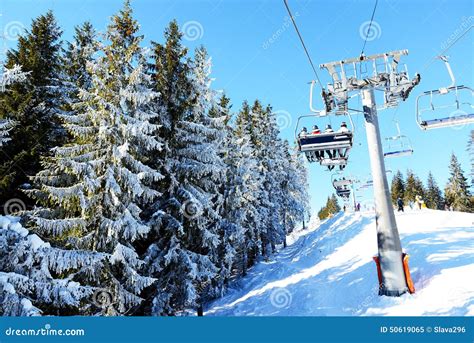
x,y
450,71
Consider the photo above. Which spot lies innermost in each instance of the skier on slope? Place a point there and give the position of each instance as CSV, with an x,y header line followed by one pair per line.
x,y
419,201
400,205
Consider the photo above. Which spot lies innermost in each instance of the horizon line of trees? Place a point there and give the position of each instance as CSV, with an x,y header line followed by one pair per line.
x,y
456,195
145,194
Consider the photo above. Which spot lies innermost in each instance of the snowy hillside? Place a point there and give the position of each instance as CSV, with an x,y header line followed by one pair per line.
x,y
328,270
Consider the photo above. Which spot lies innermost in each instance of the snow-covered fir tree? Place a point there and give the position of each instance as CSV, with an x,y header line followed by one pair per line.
x,y
276,166
92,191
78,54
220,117
456,192
263,135
434,196
241,204
186,219
33,105
18,282
8,77
254,211
295,206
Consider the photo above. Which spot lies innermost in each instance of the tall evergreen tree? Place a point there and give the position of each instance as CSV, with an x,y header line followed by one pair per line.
x,y
434,196
331,207
79,53
33,105
93,190
295,204
456,191
186,219
220,117
242,203
270,157
398,187
413,187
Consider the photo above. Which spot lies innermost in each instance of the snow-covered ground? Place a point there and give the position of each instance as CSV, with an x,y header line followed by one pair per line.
x,y
328,270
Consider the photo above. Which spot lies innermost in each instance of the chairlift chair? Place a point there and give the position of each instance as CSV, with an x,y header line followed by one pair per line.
x,y
459,111
330,149
366,184
398,145
341,185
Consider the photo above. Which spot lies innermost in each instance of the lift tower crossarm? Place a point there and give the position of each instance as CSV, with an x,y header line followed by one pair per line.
x,y
364,58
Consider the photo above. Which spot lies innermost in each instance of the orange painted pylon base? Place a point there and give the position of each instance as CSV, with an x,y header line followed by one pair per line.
x,y
406,270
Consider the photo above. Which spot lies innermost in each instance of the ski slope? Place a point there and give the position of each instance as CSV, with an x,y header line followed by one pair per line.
x,y
328,271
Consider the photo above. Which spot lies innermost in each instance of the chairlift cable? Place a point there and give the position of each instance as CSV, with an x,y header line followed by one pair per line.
x,y
370,25
302,43
442,52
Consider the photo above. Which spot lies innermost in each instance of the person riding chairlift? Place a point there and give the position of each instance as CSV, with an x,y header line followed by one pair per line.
x,y
343,127
331,154
328,129
303,133
317,131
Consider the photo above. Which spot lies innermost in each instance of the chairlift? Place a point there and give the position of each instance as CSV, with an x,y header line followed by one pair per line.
x,y
342,185
457,111
368,183
398,145
330,149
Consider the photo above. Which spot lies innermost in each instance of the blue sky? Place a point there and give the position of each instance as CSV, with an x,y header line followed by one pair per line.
x,y
256,54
